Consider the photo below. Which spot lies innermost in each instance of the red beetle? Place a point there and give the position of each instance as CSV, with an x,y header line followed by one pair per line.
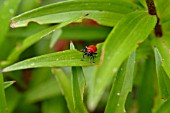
x,y
89,51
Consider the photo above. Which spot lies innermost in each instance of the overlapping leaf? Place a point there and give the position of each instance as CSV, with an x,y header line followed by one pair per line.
x,y
8,9
35,38
65,85
8,83
163,79
122,85
123,39
3,104
78,85
106,14
163,46
146,88
58,59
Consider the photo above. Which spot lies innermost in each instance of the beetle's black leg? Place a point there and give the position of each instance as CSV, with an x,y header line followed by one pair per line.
x,y
83,57
93,58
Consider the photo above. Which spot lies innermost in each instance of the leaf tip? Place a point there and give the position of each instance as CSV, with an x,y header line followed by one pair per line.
x,y
12,24
13,81
72,47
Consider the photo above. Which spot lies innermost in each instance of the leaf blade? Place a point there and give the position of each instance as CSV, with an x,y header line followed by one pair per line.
x,y
65,85
163,45
58,59
163,79
8,83
78,84
121,87
35,38
125,42
76,8
7,10
3,104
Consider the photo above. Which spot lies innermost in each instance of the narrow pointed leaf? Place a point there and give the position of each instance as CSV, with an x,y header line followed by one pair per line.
x,y
3,104
8,83
78,84
146,88
107,14
56,35
121,87
58,59
65,85
120,43
35,38
163,46
8,8
163,79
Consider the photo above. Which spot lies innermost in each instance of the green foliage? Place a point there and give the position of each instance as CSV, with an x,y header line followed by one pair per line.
x,y
125,42
3,105
131,72
163,80
122,85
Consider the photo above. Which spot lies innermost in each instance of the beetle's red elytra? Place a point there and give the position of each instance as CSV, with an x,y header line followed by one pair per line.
x,y
89,51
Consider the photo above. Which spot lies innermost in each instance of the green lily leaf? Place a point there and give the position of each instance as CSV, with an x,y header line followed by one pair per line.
x,y
163,10
8,8
56,35
78,85
35,38
65,85
146,89
163,79
3,104
163,45
120,43
58,59
122,85
8,83
108,14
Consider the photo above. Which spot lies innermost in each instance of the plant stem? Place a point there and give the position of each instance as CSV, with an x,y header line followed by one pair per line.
x,y
152,11
3,105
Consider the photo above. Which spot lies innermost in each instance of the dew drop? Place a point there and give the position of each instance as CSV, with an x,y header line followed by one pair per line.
x,y
32,64
118,105
118,94
11,11
115,70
